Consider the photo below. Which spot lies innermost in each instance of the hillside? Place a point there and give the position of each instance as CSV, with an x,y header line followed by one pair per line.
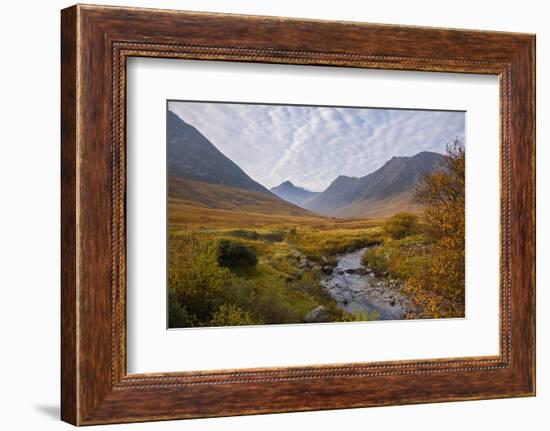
x,y
291,193
383,192
214,196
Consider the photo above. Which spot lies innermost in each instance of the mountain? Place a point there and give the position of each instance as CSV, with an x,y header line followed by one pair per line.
x,y
191,155
200,176
383,192
293,194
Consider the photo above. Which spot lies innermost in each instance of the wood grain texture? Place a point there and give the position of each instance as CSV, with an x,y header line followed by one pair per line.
x,y
69,397
96,41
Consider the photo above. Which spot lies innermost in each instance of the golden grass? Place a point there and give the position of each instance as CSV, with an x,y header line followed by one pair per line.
x,y
184,215
278,289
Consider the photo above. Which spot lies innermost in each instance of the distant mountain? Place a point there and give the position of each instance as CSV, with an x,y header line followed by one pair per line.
x,y
383,192
293,194
191,155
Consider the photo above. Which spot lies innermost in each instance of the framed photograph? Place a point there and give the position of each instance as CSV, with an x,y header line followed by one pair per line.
x,y
266,215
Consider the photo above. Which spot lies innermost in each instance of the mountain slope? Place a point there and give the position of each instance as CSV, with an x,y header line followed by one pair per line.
x,y
293,194
220,197
383,192
191,155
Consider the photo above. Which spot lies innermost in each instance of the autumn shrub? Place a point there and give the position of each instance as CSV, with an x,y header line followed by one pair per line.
x,y
431,289
196,281
439,290
273,308
376,260
358,316
401,225
231,315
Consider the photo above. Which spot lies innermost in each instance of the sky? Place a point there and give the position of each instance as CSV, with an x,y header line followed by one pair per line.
x,y
311,146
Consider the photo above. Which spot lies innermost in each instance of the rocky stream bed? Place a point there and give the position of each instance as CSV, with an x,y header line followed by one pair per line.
x,y
356,288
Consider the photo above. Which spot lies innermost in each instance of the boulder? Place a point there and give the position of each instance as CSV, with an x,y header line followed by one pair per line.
x,y
327,269
317,315
360,270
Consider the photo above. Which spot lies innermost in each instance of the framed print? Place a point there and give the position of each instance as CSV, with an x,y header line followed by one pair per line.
x,y
267,215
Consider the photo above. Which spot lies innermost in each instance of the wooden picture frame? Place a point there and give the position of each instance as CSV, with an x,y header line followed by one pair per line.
x,y
95,43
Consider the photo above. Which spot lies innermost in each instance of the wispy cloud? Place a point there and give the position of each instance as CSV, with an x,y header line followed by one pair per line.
x,y
311,146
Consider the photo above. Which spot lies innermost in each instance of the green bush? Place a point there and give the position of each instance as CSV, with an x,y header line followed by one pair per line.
x,y
178,317
234,255
401,225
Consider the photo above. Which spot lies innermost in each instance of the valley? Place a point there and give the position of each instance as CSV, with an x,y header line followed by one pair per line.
x,y
295,256
242,254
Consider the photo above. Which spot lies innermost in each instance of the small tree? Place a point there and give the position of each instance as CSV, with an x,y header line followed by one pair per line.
x,y
442,193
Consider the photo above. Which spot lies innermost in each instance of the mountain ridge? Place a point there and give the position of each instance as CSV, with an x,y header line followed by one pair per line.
x,y
191,155
391,186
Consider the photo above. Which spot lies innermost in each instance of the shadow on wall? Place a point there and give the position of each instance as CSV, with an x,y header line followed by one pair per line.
x,y
52,411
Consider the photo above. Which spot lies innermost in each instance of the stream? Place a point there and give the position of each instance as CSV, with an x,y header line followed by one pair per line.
x,y
355,288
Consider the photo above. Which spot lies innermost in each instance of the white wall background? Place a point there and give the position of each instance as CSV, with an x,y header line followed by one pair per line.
x,y
29,225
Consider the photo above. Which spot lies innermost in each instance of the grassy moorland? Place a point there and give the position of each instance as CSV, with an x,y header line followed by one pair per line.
x,y
236,268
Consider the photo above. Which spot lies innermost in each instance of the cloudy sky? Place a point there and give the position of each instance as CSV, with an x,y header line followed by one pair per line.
x,y
311,146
